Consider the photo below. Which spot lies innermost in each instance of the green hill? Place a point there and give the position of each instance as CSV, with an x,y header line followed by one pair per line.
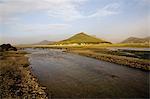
x,y
137,40
81,38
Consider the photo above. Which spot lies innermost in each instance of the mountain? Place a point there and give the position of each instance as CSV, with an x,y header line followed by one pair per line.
x,y
44,42
136,40
82,38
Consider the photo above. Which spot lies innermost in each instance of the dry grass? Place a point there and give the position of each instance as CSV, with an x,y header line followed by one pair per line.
x,y
16,80
122,60
132,45
100,52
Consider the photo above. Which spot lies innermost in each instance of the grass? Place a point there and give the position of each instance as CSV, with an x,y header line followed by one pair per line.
x,y
136,59
132,45
131,58
127,53
16,80
10,73
122,60
82,38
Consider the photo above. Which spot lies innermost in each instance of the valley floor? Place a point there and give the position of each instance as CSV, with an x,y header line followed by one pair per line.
x,y
129,57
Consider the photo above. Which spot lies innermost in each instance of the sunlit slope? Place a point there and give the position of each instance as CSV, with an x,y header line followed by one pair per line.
x,y
81,38
44,42
137,40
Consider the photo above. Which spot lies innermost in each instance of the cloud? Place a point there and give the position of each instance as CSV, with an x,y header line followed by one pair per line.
x,y
66,10
110,9
43,27
144,1
12,7
36,28
29,33
69,12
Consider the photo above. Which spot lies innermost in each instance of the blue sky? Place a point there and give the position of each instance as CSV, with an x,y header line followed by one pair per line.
x,y
30,21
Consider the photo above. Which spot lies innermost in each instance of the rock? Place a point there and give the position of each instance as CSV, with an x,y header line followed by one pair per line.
x,y
7,47
44,88
19,93
41,93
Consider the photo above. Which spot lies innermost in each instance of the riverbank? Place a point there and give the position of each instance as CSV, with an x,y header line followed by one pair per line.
x,y
122,60
125,56
68,75
131,45
16,79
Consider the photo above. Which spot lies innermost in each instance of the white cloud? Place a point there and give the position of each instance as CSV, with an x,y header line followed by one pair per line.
x,y
109,9
68,11
10,7
62,9
65,12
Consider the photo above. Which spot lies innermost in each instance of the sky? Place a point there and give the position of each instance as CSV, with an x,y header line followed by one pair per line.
x,y
31,21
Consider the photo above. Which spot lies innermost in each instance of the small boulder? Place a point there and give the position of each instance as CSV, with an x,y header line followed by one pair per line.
x,y
7,47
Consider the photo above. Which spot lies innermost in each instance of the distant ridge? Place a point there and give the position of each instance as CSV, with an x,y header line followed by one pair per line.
x,y
81,38
44,42
137,40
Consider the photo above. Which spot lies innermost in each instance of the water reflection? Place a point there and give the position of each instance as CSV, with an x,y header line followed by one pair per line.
x,y
69,75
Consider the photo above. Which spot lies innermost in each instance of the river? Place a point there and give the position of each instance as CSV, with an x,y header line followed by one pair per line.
x,y
68,75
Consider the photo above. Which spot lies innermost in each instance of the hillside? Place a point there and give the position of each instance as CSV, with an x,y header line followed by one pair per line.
x,y
82,38
137,40
44,42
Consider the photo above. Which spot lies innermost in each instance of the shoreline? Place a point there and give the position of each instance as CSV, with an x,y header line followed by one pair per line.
x,y
121,60
132,62
67,70
131,45
17,80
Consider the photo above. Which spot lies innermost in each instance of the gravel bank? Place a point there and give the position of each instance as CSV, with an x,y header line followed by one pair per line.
x,y
16,79
122,60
